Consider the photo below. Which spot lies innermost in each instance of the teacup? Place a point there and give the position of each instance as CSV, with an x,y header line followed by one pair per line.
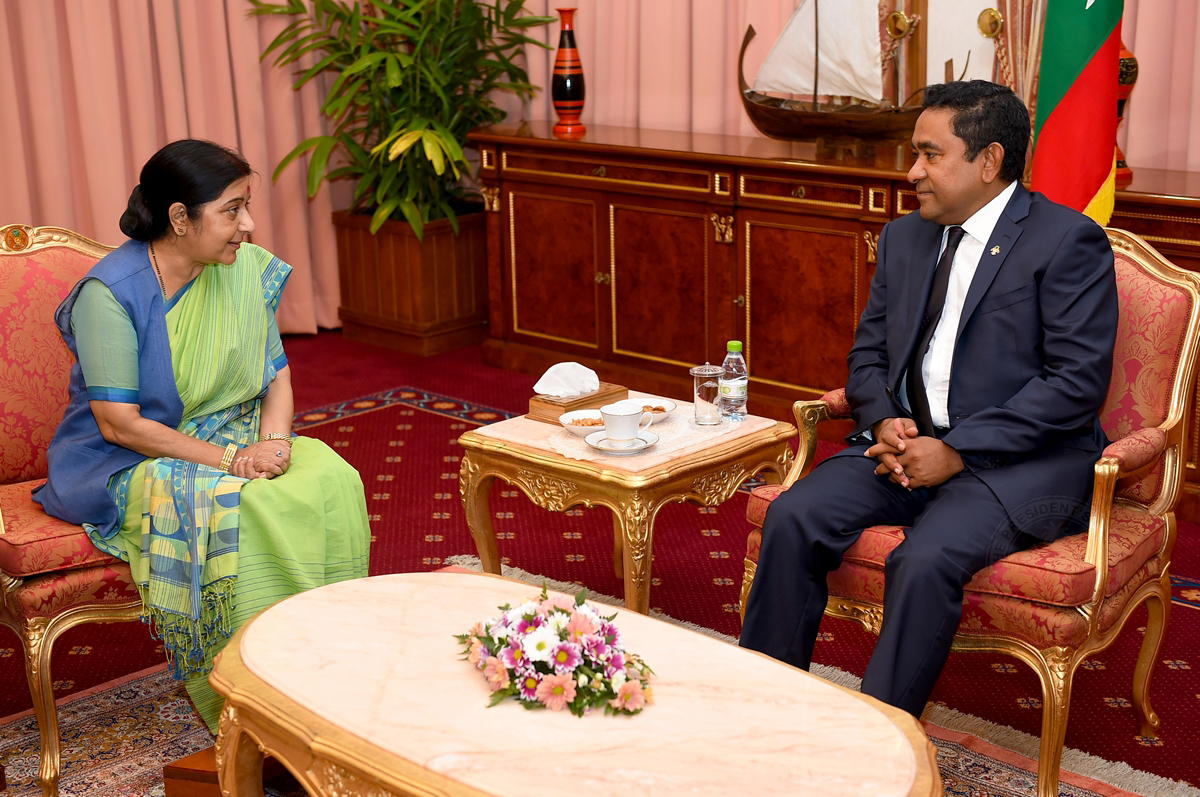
x,y
622,422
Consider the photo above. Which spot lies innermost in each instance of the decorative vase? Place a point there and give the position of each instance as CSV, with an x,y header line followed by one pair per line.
x,y
1127,75
566,87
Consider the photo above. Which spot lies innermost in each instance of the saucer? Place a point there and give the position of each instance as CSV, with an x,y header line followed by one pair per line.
x,y
598,441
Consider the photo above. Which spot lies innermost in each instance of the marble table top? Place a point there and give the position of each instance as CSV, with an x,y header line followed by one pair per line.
x,y
378,659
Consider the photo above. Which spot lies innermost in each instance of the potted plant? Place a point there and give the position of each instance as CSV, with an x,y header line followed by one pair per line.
x,y
410,79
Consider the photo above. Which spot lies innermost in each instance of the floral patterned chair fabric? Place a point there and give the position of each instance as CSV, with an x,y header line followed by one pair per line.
x,y
51,576
1055,604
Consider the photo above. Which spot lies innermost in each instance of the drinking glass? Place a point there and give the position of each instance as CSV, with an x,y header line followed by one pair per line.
x,y
706,394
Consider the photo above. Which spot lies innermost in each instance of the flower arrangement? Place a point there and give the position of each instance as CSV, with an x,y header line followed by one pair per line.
x,y
557,652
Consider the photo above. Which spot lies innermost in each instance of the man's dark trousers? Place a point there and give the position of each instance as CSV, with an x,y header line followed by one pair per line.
x,y
957,529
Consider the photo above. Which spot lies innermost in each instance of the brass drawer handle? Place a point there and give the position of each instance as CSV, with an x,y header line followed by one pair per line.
x,y
740,301
602,278
598,171
798,192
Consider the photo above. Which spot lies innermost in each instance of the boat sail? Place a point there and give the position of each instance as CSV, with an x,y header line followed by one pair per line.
x,y
831,49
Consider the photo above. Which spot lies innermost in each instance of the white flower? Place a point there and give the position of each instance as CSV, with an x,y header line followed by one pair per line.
x,y
499,632
530,607
558,621
583,681
539,643
618,680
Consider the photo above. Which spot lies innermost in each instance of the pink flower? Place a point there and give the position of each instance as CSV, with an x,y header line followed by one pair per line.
x,y
595,648
556,691
512,655
477,629
496,674
630,697
565,658
564,602
476,651
529,624
579,627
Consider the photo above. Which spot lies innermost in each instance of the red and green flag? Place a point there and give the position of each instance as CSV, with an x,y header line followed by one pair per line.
x,y
1075,132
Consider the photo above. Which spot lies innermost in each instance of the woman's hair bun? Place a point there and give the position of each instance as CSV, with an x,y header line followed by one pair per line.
x,y
137,221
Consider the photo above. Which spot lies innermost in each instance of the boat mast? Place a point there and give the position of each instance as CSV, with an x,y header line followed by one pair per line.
x,y
816,47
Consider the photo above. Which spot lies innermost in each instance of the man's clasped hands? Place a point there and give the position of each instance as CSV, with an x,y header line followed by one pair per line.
x,y
910,459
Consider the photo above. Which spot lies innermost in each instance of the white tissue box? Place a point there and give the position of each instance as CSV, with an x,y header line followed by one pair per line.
x,y
548,408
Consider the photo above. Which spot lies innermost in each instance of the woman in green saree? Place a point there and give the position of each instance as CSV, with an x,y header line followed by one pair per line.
x,y
176,450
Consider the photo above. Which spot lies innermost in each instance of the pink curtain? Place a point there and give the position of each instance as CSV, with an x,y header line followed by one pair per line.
x,y
1162,118
94,87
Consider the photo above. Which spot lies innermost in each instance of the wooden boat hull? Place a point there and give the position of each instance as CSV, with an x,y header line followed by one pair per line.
x,y
782,119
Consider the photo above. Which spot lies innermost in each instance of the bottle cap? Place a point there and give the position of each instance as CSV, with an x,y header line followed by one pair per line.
x,y
734,345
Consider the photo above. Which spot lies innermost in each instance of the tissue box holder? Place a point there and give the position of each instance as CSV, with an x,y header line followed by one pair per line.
x,y
548,408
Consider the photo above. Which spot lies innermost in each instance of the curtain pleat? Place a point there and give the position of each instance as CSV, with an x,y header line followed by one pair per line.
x,y
92,88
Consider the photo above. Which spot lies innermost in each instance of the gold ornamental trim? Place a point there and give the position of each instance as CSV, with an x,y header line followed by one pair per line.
x,y
491,199
599,171
512,243
612,256
900,194
872,242
722,183
487,158
749,304
1129,214
881,195
24,238
800,191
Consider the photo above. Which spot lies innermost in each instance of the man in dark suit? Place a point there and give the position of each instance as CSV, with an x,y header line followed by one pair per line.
x,y
979,366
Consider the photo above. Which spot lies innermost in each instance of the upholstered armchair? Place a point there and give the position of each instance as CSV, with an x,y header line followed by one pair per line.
x,y
51,576
1056,604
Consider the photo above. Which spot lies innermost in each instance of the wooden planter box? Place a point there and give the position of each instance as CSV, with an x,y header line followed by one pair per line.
x,y
418,297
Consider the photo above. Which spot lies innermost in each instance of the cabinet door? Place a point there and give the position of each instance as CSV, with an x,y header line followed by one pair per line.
x,y
804,281
671,269
553,250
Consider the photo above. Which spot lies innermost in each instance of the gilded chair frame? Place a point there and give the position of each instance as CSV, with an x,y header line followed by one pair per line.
x,y
38,634
1055,665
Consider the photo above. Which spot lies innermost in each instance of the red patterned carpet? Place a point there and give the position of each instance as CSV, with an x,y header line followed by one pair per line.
x,y
402,440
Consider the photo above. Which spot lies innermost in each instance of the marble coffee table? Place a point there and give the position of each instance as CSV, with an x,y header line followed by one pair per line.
x,y
521,452
360,688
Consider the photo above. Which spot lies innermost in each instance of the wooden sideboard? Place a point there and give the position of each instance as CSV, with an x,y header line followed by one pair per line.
x,y
639,253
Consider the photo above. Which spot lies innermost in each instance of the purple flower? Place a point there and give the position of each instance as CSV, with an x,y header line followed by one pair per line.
x,y
615,664
565,658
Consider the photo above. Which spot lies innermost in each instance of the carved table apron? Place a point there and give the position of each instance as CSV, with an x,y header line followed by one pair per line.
x,y
634,488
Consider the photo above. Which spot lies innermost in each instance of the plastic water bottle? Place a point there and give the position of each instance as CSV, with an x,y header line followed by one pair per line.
x,y
734,383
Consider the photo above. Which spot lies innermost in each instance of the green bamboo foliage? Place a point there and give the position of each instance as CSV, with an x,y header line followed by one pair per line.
x,y
412,78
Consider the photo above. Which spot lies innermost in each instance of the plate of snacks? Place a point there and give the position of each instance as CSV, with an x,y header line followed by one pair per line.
x,y
659,408
582,422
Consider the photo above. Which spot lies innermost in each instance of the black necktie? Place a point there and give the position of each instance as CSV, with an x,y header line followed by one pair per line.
x,y
918,399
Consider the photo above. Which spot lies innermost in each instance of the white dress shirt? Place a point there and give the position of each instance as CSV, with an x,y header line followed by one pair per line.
x,y
935,367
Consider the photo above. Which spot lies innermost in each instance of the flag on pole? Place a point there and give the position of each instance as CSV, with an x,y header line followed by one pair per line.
x,y
1075,132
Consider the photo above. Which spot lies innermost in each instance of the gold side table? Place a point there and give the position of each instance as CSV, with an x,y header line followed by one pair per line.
x,y
634,488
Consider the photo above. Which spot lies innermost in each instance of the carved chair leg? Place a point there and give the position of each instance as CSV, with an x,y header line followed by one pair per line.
x,y
37,639
747,582
1159,610
475,488
1057,671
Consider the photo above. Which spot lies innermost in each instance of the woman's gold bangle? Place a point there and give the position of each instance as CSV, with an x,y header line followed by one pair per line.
x,y
280,436
227,458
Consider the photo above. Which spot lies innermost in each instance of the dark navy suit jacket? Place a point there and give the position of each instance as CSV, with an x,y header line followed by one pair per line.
x,y
1032,359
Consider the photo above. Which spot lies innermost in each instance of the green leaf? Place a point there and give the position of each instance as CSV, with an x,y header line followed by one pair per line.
x,y
301,148
382,214
316,167
413,216
403,143
433,150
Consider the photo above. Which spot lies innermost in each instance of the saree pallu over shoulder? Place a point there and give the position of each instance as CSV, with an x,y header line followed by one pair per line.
x,y
81,461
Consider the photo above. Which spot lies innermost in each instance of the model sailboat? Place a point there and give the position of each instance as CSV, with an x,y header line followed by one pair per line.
x,y
826,50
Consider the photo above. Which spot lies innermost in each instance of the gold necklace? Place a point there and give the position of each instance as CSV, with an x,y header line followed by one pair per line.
x,y
157,272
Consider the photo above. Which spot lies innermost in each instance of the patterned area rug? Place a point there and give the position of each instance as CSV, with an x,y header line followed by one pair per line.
x,y
403,442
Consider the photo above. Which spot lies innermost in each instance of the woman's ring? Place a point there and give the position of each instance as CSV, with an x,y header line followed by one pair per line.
x,y
279,453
